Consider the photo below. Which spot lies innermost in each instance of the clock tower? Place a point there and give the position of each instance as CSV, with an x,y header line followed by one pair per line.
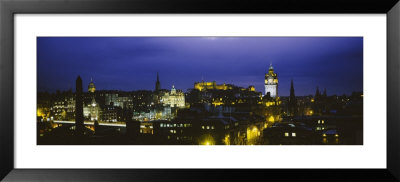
x,y
271,82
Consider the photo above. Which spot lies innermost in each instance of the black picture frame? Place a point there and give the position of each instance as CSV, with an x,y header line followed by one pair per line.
x,y
8,8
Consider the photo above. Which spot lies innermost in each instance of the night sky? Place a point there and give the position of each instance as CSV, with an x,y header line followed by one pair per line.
x,y
131,63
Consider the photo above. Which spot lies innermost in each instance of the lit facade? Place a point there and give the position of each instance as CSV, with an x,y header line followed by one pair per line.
x,y
271,83
91,87
58,110
165,114
174,98
92,111
111,98
110,114
201,86
118,100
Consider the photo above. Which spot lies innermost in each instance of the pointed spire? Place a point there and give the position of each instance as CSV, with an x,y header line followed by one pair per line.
x,y
91,79
158,87
271,67
292,110
317,93
292,95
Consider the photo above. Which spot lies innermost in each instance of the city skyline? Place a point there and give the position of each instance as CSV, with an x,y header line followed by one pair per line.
x,y
132,63
200,91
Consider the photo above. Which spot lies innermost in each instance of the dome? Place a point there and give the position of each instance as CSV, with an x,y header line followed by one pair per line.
x,y
173,90
91,87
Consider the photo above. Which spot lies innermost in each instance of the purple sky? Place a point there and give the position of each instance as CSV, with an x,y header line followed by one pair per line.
x,y
131,63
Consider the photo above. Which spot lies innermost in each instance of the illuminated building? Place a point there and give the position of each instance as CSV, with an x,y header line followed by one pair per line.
x,y
118,100
111,98
320,125
178,132
174,98
251,88
44,106
252,135
146,127
141,100
91,87
58,110
165,113
122,102
110,113
70,107
201,86
92,111
330,137
43,112
61,108
290,133
271,83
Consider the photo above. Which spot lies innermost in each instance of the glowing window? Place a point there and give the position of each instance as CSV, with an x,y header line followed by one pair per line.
x,y
212,127
319,121
208,127
293,134
322,121
286,134
202,127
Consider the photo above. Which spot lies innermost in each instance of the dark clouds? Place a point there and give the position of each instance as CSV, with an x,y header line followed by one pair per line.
x,y
131,63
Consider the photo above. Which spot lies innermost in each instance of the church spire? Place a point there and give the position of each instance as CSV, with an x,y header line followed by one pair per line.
x,y
158,87
292,101
291,90
317,93
324,93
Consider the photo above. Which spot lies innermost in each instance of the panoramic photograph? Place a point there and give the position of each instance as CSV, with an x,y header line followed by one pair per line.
x,y
199,91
